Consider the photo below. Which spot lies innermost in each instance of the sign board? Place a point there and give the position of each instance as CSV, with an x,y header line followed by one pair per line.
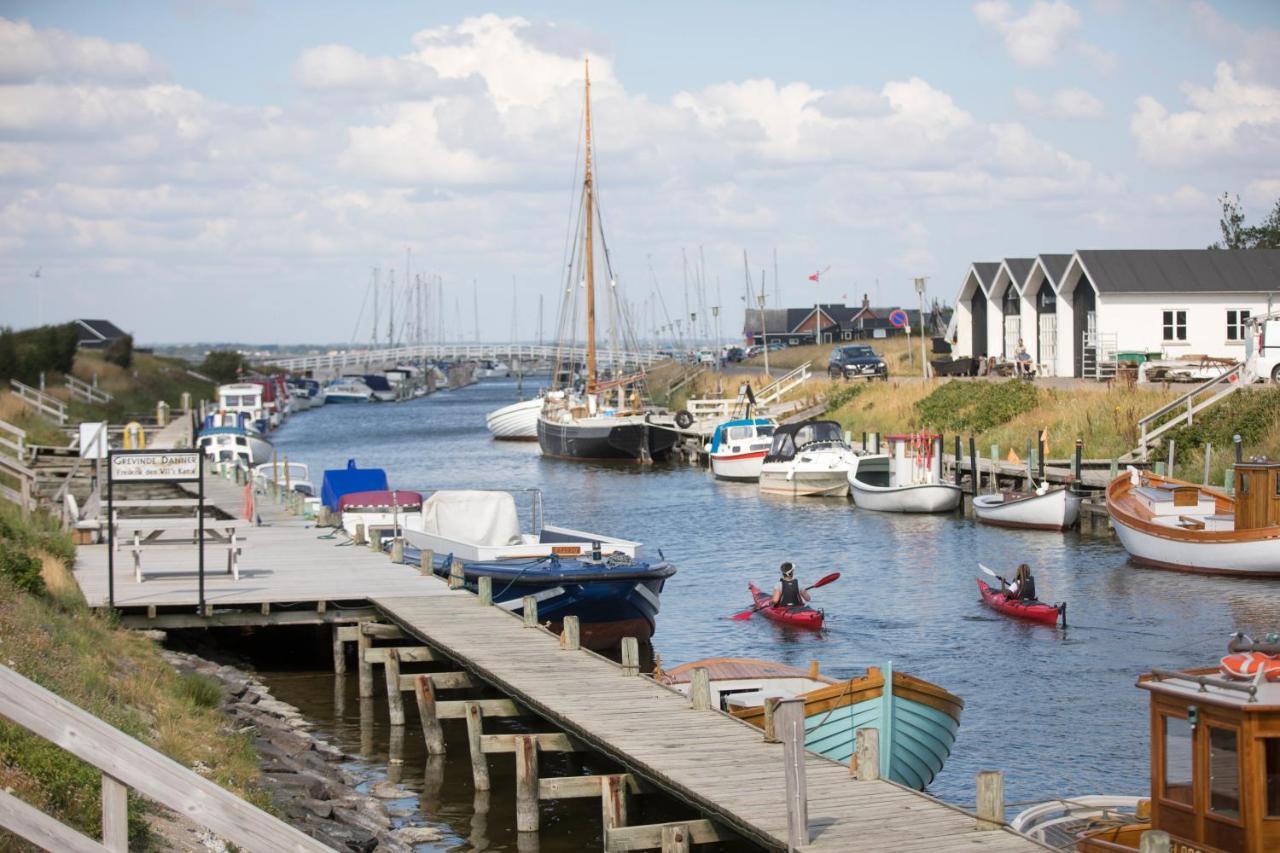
x,y
163,466
879,333
898,317
93,441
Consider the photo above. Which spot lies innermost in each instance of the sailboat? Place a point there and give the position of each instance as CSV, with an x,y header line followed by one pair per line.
x,y
608,421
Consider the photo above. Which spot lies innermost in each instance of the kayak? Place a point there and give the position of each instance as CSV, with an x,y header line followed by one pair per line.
x,y
802,616
1035,611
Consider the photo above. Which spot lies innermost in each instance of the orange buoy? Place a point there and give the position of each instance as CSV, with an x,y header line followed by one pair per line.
x,y
1248,664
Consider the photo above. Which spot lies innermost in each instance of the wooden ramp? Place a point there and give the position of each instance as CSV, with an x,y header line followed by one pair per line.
x,y
716,763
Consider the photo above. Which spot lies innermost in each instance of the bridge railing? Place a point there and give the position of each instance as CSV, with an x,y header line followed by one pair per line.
x,y
456,352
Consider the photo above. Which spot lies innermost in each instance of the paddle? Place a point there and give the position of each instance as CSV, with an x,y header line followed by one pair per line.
x,y
993,574
746,614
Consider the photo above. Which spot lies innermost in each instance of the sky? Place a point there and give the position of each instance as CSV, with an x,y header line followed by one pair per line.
x,y
234,170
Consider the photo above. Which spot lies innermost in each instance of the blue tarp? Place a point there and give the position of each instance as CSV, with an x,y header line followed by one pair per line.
x,y
343,481
376,382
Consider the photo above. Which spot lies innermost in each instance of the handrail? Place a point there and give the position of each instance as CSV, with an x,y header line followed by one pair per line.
x,y
19,446
1146,436
60,498
1204,681
1193,392
40,401
26,480
128,762
457,351
89,393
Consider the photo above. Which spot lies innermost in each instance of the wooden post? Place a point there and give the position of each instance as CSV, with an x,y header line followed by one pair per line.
x,y
115,815
322,516
526,783
484,588
363,643
613,804
973,468
479,765
990,799
432,732
570,636
675,838
630,656
1239,448
958,457
375,540
457,580
395,699
1030,461
1154,841
339,651
789,722
359,537
1040,451
700,689
866,756
1079,461
530,608
1115,470
397,550
770,721
1172,446
1208,459
426,562
994,480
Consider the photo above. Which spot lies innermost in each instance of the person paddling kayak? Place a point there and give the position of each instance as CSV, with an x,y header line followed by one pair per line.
x,y
1023,587
787,592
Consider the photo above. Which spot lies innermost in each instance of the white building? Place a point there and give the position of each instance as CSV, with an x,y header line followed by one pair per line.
x,y
1075,313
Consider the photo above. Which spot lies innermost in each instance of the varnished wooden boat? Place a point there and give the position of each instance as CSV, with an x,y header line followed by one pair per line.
x,y
918,720
1173,524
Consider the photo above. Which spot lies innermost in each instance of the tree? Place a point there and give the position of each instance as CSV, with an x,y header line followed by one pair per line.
x,y
120,351
223,365
10,368
1237,235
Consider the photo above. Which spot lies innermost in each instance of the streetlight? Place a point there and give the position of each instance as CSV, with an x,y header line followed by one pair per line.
x,y
924,363
715,313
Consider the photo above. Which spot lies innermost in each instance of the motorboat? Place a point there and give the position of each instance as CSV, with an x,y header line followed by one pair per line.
x,y
516,422
809,459
917,720
348,390
1058,824
338,482
1045,508
380,387
291,476
598,578
906,479
490,369
1172,524
738,448
379,512
273,409
232,437
244,398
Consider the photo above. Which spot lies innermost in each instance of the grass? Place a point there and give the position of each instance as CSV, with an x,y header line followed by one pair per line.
x,y
1253,414
138,389
116,675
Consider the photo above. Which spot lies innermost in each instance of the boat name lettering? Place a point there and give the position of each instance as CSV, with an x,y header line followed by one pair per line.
x,y
566,550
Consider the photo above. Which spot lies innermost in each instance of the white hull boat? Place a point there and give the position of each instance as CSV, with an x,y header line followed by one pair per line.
x,y
907,479
348,391
809,459
1053,509
517,422
738,448
799,483
228,444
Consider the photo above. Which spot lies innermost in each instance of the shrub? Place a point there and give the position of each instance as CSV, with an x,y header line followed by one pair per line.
x,y
976,406
20,567
1251,414
838,398
120,351
223,365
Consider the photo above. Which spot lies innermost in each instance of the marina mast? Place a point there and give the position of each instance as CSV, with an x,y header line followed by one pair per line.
x,y
590,263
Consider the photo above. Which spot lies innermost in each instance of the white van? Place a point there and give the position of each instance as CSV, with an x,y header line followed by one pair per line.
x,y
1262,346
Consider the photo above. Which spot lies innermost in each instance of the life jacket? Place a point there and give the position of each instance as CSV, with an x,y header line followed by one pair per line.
x,y
1027,589
790,596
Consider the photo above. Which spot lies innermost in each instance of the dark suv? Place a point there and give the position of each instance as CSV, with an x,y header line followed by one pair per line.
x,y
856,361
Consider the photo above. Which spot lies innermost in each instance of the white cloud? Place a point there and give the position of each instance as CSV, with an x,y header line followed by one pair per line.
x,y
1184,199
1257,50
336,67
1064,103
28,54
1040,38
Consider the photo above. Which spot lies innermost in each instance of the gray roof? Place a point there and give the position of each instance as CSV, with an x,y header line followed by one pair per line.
x,y
1183,270
986,273
775,320
1055,266
1019,269
99,330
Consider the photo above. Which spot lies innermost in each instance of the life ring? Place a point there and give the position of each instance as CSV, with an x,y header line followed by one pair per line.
x,y
1248,664
684,420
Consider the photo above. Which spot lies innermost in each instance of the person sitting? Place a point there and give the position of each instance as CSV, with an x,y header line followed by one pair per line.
x,y
1023,360
787,592
1023,587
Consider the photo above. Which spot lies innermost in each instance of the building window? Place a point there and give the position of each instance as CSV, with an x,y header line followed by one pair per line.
x,y
1235,324
1177,760
848,336
1175,325
1224,773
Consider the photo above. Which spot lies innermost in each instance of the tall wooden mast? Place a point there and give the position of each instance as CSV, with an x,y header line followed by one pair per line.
x,y
588,193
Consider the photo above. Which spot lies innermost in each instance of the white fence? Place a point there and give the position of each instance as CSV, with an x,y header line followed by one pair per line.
x,y
83,391
40,401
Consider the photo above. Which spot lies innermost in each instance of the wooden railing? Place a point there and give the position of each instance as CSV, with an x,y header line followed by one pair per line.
x,y
81,390
22,492
40,401
13,440
769,394
126,763
1181,410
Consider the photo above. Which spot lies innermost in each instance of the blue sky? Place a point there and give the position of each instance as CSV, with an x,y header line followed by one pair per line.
x,y
256,160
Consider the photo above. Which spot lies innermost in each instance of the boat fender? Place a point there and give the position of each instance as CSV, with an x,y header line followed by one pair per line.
x,y
1249,664
684,420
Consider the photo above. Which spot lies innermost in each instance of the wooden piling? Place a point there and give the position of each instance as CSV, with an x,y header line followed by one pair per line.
x,y
375,540
630,656
789,722
865,766
457,579
530,608
993,480
1077,468
526,783
359,536
363,643
974,476
426,562
1040,451
484,590
339,651
432,733
675,838
770,725
700,689
569,636
613,803
395,700
479,765
958,457
990,800
1208,459
397,549
1172,447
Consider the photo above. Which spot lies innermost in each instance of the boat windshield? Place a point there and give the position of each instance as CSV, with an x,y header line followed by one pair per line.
x,y
817,432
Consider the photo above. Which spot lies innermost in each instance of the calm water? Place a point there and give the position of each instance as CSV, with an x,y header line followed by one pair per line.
x,y
1056,710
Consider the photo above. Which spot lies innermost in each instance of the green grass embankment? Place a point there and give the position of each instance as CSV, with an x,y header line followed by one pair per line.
x,y
50,636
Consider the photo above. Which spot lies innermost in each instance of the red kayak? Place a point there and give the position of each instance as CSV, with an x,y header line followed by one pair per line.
x,y
802,616
1034,611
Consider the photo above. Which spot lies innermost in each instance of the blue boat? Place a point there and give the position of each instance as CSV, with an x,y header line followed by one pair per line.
x,y
569,572
343,481
917,720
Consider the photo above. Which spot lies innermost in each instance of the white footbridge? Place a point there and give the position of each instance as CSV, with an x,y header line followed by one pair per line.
x,y
509,353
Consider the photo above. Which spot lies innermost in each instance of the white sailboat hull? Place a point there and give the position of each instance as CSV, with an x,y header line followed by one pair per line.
x,y
1057,509
517,422
1259,557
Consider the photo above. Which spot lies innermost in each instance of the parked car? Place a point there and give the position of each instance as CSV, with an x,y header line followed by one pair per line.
x,y
753,351
856,361
774,346
734,354
706,356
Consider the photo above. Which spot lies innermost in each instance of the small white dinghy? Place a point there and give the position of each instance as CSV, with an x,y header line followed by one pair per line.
x,y
1047,508
516,422
907,479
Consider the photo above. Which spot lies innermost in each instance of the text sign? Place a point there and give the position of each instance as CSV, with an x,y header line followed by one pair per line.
x,y
172,466
898,317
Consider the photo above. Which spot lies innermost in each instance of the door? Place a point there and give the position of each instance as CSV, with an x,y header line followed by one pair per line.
x,y
1048,344
1012,334
978,311
1084,304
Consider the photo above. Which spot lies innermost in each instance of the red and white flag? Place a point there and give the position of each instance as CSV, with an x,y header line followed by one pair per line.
x,y
814,277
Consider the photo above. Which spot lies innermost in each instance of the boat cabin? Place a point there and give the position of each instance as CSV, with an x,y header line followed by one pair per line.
x,y
739,436
914,459
242,397
1215,765
789,439
1257,494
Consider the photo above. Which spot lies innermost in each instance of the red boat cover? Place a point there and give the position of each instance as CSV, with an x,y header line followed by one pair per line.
x,y
404,500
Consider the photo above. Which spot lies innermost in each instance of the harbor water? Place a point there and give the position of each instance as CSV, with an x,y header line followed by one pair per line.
x,y
1056,709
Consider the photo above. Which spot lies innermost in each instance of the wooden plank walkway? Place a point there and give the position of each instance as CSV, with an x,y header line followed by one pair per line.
x,y
716,763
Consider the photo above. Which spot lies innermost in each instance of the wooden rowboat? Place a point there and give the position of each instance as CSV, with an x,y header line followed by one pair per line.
x,y
916,719
1055,509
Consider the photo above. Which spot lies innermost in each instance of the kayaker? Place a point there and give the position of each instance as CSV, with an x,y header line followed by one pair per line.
x,y
788,593
1023,587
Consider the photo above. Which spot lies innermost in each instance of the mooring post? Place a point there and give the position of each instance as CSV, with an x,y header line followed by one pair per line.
x,y
770,718
1030,460
484,590
675,838
375,540
395,700
529,605
426,562
789,722
526,783
363,643
994,481
700,689
1079,460
397,549
958,459
1040,451
990,799
339,651
613,803
432,733
1154,841
1115,470
974,476
322,516
569,635
457,579
1172,446
475,728
1208,458
1239,447
865,766
630,656
359,537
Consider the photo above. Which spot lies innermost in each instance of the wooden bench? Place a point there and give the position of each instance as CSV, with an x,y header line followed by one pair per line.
x,y
181,534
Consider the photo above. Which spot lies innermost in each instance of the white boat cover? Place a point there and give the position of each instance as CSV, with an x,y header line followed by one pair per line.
x,y
474,517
